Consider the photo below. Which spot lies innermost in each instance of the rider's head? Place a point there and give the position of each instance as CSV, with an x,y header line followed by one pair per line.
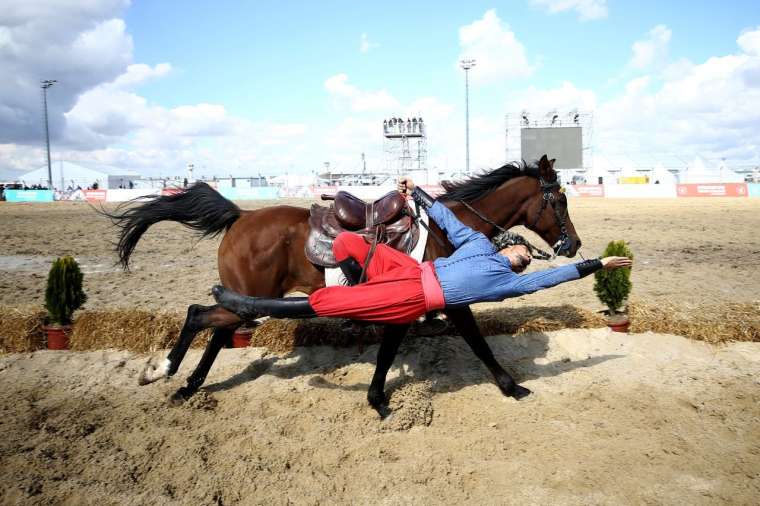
x,y
518,255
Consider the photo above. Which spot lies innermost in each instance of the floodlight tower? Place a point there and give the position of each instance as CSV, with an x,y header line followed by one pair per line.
x,y
467,64
47,83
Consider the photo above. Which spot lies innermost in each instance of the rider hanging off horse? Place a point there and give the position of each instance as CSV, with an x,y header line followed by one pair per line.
x,y
473,258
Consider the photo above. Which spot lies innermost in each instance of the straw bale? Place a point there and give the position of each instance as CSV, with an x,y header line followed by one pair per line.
x,y
713,323
21,328
518,320
282,336
130,329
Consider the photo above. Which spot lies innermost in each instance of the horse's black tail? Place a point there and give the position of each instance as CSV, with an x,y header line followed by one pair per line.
x,y
200,208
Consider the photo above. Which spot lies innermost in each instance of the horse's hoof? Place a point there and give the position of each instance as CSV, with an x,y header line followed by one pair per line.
x,y
180,396
520,392
383,410
380,403
151,373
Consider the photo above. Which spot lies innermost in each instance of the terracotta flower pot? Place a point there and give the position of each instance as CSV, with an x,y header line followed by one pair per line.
x,y
618,322
241,338
57,336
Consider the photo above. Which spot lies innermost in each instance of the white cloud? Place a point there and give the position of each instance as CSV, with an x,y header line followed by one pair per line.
x,y
80,44
707,109
365,46
652,50
749,41
139,73
494,46
359,101
587,9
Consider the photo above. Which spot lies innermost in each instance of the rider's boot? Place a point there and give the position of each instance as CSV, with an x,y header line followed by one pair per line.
x,y
250,308
351,270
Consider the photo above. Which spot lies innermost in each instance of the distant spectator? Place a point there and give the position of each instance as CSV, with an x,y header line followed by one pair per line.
x,y
131,185
184,183
95,185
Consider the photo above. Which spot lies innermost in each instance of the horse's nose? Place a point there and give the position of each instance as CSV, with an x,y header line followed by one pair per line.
x,y
578,244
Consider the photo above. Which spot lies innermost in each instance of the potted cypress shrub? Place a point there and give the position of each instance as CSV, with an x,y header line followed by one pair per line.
x,y
63,296
613,287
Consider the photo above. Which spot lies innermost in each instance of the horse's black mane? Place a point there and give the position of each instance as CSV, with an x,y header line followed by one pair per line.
x,y
479,186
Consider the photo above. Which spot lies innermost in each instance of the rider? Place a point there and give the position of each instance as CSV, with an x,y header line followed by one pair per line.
x,y
399,289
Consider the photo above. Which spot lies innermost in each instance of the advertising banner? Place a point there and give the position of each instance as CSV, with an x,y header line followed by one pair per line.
x,y
584,190
712,190
29,195
95,195
753,189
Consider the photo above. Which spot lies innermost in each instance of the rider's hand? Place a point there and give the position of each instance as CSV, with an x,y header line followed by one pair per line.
x,y
405,185
612,263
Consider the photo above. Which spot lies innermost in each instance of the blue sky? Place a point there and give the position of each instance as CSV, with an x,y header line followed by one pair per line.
x,y
272,86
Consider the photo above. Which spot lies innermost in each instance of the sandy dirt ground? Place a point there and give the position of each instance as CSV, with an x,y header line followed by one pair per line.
x,y
694,250
614,418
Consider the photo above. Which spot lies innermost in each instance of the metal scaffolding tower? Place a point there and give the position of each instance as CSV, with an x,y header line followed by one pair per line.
x,y
404,145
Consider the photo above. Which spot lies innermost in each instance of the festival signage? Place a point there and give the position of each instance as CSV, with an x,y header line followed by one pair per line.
x,y
584,190
753,189
95,195
28,195
712,190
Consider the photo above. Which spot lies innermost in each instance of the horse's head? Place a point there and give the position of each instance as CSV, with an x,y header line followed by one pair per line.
x,y
546,212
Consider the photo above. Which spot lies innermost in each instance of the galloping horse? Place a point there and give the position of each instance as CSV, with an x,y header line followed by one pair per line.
x,y
262,254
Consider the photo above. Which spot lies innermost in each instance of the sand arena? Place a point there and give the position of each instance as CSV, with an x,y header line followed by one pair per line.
x,y
640,418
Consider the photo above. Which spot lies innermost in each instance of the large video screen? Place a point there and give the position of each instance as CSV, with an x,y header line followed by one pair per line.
x,y
563,143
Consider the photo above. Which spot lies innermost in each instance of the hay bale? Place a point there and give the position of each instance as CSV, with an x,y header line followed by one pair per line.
x,y
713,323
518,320
21,328
128,329
282,336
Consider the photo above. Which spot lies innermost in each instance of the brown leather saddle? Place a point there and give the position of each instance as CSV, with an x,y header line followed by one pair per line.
x,y
383,221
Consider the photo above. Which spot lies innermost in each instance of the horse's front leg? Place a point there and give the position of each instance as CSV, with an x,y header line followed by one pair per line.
x,y
385,355
468,328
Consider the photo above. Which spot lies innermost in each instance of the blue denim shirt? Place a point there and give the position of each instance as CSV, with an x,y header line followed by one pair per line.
x,y
476,272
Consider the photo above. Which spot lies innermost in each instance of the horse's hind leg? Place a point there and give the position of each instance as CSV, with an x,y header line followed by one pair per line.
x,y
468,327
198,318
196,379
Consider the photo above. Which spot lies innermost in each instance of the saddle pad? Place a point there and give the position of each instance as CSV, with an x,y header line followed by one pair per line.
x,y
334,276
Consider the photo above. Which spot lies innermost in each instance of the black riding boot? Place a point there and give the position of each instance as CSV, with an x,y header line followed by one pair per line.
x,y
250,308
351,270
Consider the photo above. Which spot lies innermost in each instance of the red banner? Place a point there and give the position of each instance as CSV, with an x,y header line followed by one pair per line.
x,y
712,190
584,190
171,191
95,195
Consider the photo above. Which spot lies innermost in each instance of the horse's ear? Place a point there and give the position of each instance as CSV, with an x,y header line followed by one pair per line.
x,y
551,162
544,165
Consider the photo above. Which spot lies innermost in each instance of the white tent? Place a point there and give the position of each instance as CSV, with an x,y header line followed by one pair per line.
x,y
73,174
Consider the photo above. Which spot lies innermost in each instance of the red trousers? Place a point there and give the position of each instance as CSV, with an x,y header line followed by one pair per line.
x,y
393,291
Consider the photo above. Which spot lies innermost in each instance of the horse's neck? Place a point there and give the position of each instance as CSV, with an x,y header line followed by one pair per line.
x,y
503,206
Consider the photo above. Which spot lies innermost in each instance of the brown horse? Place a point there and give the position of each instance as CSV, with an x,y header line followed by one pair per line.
x,y
262,254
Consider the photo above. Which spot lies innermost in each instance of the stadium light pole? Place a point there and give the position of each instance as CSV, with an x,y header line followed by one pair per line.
x,y
47,83
467,64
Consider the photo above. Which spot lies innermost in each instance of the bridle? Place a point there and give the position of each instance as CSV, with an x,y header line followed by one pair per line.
x,y
548,198
514,238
